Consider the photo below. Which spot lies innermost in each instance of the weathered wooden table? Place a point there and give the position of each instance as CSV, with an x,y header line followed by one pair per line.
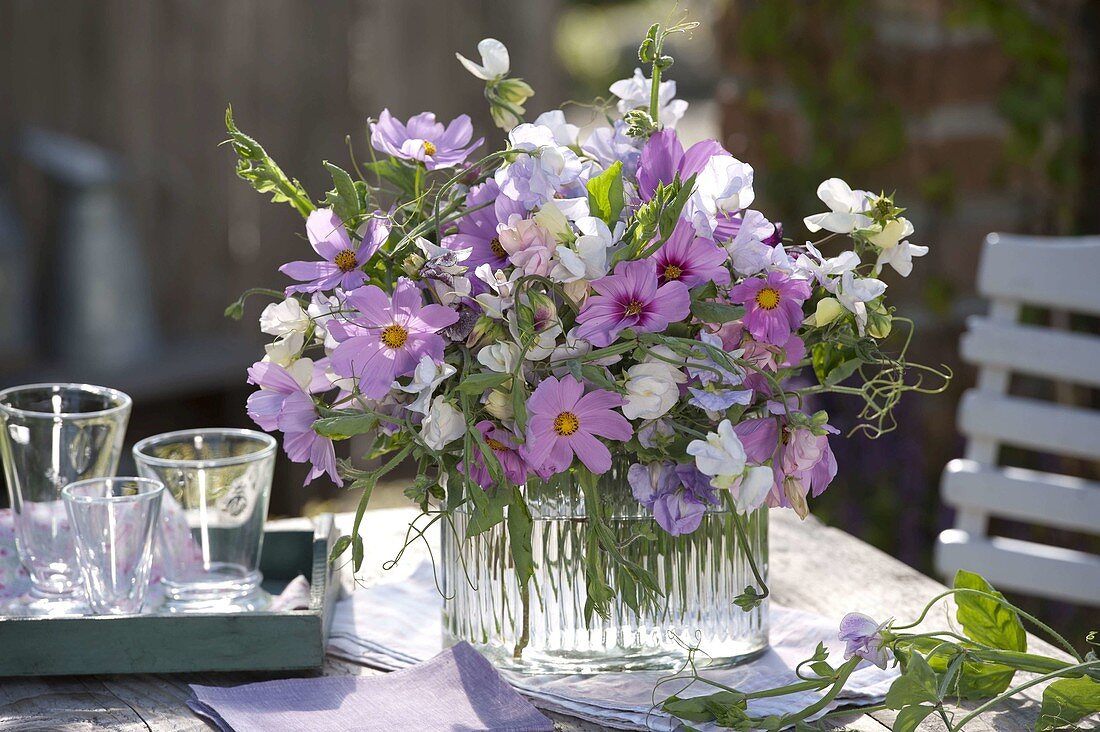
x,y
813,567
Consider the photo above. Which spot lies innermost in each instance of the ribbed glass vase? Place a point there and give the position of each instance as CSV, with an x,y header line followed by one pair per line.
x,y
700,573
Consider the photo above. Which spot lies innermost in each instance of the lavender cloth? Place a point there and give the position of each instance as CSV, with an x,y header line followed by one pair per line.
x,y
457,690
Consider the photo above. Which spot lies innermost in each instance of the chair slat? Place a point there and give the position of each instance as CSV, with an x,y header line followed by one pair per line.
x,y
1027,495
1030,423
1011,564
1047,271
1029,349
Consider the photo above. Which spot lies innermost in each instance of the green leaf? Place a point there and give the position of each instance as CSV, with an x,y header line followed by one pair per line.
x,y
1066,702
400,175
344,196
671,213
477,383
828,357
489,510
716,312
339,547
343,426
721,705
357,552
910,717
262,173
519,537
842,371
605,194
597,376
985,620
917,685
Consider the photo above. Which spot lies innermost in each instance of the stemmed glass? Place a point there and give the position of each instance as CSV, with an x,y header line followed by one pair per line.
x,y
52,435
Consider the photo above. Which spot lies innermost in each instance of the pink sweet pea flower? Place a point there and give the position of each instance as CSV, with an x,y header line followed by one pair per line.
x,y
504,447
865,638
803,463
386,338
282,404
691,259
564,421
341,260
773,305
630,298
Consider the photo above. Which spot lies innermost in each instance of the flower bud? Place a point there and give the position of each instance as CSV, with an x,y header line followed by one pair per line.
x,y
499,404
828,310
879,322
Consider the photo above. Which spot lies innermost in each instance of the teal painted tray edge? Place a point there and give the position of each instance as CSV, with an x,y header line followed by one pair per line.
x,y
263,641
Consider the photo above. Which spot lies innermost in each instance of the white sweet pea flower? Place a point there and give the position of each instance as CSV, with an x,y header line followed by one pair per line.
x,y
900,257
724,185
320,311
586,259
748,252
749,490
499,404
500,357
443,425
283,318
285,352
546,341
426,377
564,133
500,298
634,93
721,454
494,60
855,293
814,265
652,389
534,178
846,207
889,235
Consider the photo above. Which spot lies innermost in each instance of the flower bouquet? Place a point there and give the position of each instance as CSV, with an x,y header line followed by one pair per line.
x,y
600,358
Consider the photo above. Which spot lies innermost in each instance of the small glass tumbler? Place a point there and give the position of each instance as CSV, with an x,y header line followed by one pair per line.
x,y
218,483
52,435
112,521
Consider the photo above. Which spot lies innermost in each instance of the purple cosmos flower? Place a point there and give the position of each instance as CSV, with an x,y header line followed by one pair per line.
x,y
564,421
773,305
678,495
630,298
477,230
865,638
282,404
387,337
424,140
691,259
341,258
504,447
663,158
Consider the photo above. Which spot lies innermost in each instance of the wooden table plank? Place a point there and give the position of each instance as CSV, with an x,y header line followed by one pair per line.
x,y
813,567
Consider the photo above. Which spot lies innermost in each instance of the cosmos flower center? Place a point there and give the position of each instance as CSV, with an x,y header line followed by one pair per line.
x,y
768,298
346,260
496,445
672,272
394,336
497,248
429,148
634,308
566,424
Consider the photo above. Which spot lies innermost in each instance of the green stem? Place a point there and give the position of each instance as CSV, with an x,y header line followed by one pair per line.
x,y
743,540
1022,687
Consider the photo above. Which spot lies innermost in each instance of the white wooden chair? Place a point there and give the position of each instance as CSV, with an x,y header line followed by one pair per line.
x,y
1063,275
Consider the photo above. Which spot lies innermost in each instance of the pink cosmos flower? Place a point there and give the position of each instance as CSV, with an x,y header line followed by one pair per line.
x,y
529,246
424,140
282,404
387,338
773,305
564,421
630,298
341,259
691,259
504,447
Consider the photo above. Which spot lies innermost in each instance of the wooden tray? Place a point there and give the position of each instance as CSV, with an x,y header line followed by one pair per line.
x,y
261,641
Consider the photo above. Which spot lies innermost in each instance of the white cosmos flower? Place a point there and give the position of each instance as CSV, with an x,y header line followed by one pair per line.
x,y
494,60
426,377
443,425
500,357
900,257
845,208
652,389
721,454
855,292
283,318
634,93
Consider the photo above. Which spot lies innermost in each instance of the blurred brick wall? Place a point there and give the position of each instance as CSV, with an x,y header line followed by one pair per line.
x,y
903,96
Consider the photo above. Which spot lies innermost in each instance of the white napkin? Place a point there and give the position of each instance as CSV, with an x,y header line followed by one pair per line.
x,y
398,622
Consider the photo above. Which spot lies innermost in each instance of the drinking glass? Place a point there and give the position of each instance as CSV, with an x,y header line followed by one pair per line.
x,y
52,435
218,482
112,522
